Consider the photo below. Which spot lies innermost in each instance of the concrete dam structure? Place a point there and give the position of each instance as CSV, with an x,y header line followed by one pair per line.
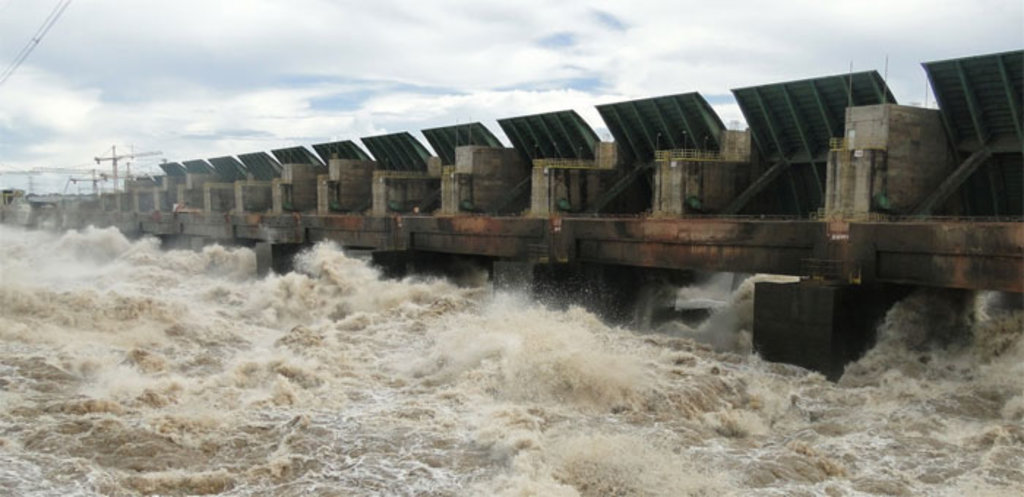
x,y
834,182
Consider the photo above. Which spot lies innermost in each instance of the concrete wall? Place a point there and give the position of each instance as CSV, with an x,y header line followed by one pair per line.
x,y
484,177
352,189
694,187
401,193
126,202
553,190
110,202
296,189
191,198
145,200
817,325
894,157
434,166
190,192
218,197
140,196
606,156
196,181
736,146
706,186
456,188
167,195
325,191
253,196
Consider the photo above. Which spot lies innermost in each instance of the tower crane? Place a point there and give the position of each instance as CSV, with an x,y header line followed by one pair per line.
x,y
92,175
113,158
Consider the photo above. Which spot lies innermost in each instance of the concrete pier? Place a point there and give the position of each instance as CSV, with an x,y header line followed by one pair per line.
x,y
481,179
890,159
817,325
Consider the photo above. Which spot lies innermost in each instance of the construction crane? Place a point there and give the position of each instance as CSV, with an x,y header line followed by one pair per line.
x,y
94,179
113,158
94,176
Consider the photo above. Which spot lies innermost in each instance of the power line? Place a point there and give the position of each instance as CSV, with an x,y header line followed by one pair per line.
x,y
55,14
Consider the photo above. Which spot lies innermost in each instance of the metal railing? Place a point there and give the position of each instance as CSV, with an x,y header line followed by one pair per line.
x,y
402,174
830,270
565,163
689,154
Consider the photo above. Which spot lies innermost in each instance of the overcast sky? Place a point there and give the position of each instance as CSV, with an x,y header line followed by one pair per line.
x,y
204,78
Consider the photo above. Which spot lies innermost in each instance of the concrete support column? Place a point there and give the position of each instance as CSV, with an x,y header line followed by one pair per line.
x,y
264,258
278,195
240,197
540,193
817,325
207,199
276,257
323,201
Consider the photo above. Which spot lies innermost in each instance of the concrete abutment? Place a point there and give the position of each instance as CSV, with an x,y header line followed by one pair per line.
x,y
276,257
818,325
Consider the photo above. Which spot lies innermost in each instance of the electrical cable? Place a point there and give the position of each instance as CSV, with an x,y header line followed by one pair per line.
x,y
51,19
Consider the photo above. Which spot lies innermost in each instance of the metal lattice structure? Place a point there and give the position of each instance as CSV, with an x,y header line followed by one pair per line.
x,y
683,121
299,155
793,122
398,152
346,149
554,135
173,169
446,139
229,169
262,166
980,99
198,166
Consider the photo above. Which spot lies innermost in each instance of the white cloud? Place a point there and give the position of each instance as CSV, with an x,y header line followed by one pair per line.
x,y
201,79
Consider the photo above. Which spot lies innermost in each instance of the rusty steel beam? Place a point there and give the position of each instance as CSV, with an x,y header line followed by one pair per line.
x,y
969,255
349,230
965,254
504,237
778,247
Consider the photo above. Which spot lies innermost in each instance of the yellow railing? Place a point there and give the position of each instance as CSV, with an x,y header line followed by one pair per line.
x,y
688,154
831,270
565,163
401,174
837,144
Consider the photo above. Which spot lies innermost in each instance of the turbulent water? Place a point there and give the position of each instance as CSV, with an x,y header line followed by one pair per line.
x,y
127,370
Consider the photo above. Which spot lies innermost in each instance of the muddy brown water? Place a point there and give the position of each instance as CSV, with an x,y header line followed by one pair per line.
x,y
127,370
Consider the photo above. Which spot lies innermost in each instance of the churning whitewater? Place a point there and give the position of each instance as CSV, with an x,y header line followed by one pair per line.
x,y
128,370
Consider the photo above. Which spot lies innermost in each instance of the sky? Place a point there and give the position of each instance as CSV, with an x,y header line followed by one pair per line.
x,y
197,79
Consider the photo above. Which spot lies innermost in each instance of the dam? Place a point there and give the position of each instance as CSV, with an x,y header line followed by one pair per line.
x,y
833,182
